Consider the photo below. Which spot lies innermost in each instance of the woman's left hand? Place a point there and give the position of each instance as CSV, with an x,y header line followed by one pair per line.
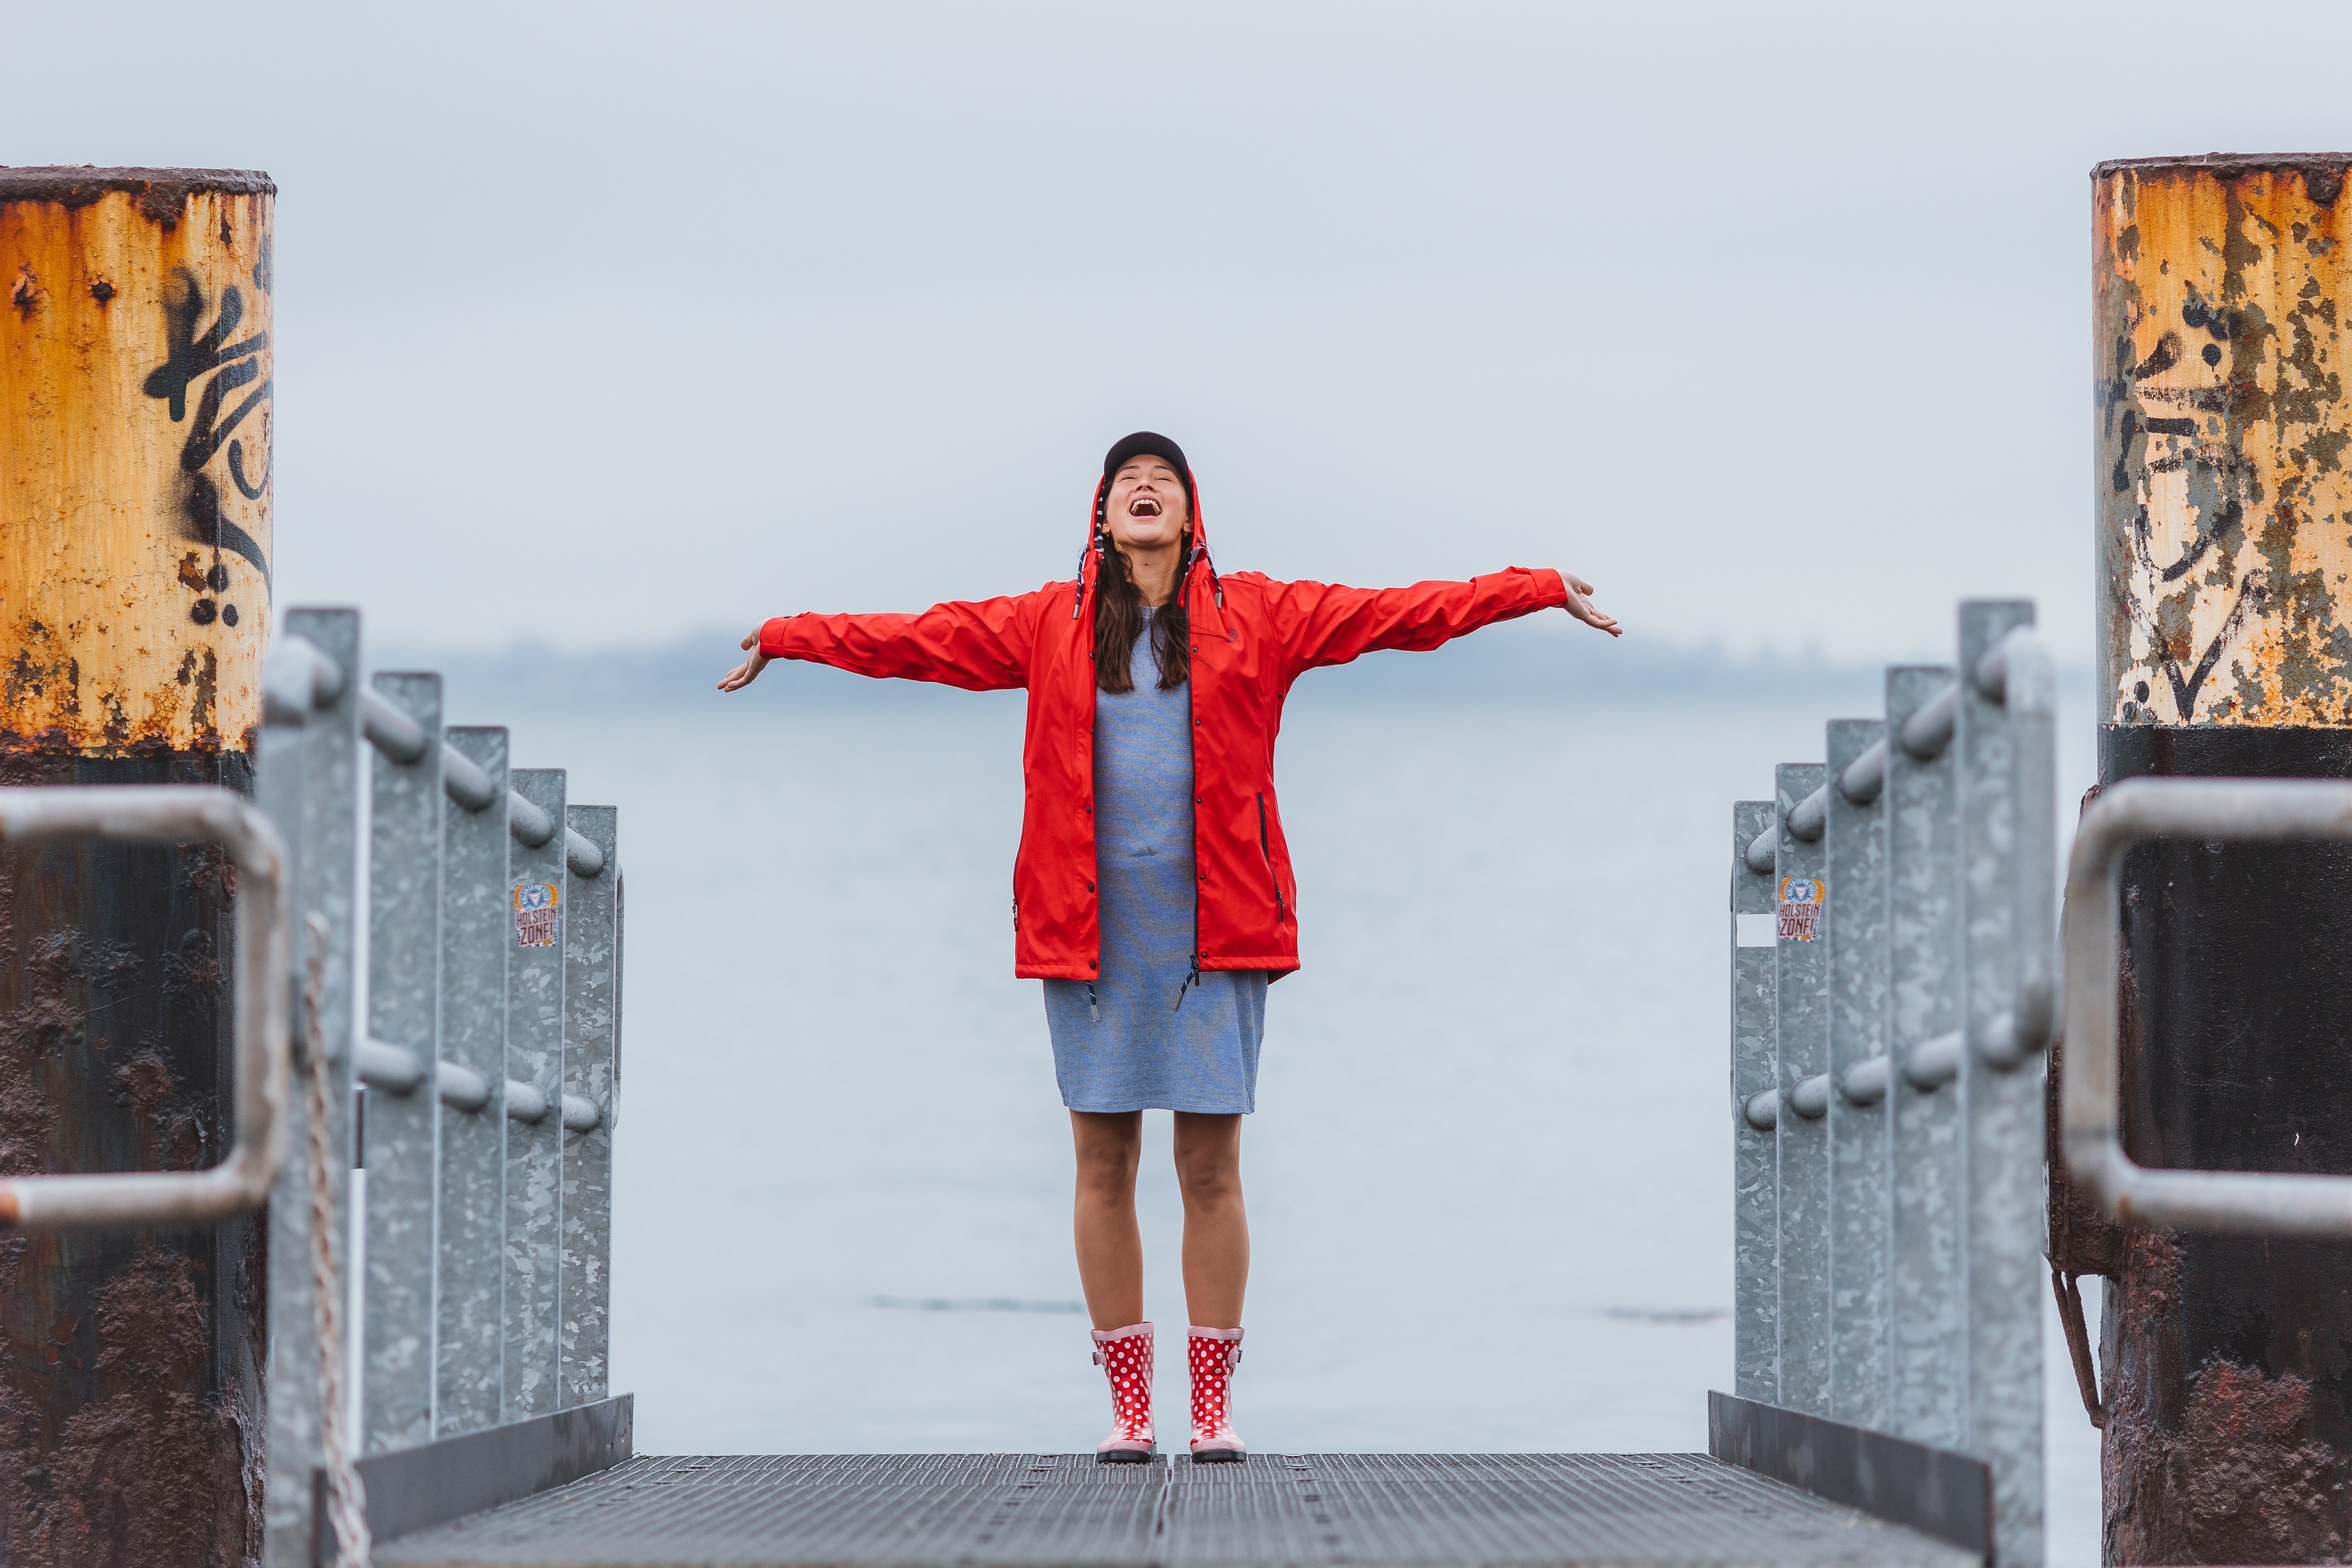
x,y
1580,604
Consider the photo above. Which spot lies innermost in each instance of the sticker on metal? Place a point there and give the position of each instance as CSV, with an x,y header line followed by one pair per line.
x,y
536,908
1801,898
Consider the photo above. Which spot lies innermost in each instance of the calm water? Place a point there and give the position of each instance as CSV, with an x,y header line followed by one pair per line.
x,y
1489,1182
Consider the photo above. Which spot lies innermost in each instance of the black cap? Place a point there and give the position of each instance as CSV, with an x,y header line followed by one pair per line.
x,y
1143,443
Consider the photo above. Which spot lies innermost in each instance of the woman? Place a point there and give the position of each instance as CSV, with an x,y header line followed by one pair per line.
x,y
1155,692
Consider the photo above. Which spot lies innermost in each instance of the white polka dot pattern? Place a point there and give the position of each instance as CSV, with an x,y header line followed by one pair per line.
x,y
1213,1354
1125,1356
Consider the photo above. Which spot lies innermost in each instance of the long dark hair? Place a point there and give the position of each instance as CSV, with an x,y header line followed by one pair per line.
x,y
1118,614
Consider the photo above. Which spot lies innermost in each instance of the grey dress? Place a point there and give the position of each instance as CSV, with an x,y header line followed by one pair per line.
x,y
1142,1038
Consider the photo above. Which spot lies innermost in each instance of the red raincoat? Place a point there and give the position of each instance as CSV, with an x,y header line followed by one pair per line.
x,y
1252,636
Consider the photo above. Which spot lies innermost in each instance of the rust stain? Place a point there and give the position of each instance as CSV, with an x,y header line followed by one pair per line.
x,y
128,1395
146,1082
2233,1470
136,407
144,1473
2225,504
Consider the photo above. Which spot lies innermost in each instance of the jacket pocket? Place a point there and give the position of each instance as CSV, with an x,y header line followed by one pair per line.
x,y
1266,848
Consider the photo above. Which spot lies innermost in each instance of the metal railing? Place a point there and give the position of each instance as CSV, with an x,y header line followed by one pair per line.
x,y
2265,1202
474,1102
1893,987
164,813
482,1237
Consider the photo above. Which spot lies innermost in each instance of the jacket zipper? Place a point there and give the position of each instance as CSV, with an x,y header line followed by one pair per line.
x,y
1192,702
1265,848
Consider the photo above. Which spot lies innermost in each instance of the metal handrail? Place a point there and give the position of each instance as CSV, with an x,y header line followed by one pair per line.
x,y
1924,737
2018,673
300,671
2269,1203
1892,985
178,814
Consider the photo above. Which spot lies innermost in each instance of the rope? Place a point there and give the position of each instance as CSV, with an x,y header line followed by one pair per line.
x,y
346,1494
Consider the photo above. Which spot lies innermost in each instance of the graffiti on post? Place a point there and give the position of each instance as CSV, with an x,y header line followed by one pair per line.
x,y
230,378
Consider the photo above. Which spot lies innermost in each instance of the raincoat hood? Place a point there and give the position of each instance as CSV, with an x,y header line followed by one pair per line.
x,y
1145,443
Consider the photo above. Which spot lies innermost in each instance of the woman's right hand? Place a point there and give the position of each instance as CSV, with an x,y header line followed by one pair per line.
x,y
743,674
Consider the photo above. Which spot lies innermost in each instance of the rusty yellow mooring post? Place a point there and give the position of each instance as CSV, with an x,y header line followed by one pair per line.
x,y
135,447
135,413
2221,290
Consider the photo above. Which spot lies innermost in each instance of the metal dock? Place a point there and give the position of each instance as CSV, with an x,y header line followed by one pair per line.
x,y
945,1510
1887,1380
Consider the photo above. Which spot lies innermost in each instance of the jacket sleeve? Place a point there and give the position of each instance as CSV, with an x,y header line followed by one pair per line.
x,y
1322,623
979,645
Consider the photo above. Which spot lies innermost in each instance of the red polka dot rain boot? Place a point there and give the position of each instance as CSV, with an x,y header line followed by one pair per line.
x,y
1214,1352
1125,1356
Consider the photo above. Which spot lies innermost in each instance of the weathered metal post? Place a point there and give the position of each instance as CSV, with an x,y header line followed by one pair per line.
x,y
2000,1111
2225,605
1927,1157
541,908
134,606
477,926
1860,1121
1755,1203
1801,1014
403,1148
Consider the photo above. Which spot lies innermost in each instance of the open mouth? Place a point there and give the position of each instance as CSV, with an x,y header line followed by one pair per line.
x,y
1143,506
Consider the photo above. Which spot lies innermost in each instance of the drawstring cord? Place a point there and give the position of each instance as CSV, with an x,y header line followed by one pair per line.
x,y
1095,547
1201,553
1093,1011
1191,980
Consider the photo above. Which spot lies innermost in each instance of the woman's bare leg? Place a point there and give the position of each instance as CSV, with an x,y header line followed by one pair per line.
x,y
1110,1249
1216,1227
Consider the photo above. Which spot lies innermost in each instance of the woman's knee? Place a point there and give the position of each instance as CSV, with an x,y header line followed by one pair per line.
x,y
1108,1147
1209,1170
1208,1185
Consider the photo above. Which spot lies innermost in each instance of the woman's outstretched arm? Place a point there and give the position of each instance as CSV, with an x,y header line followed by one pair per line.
x,y
979,645
1324,623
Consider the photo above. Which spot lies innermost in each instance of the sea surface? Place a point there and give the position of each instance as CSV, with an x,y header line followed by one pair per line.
x,y
1489,1182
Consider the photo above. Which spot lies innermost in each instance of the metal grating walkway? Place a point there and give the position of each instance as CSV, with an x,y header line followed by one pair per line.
x,y
997,1511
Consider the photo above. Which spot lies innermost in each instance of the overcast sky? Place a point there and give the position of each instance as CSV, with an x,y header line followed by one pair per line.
x,y
599,324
